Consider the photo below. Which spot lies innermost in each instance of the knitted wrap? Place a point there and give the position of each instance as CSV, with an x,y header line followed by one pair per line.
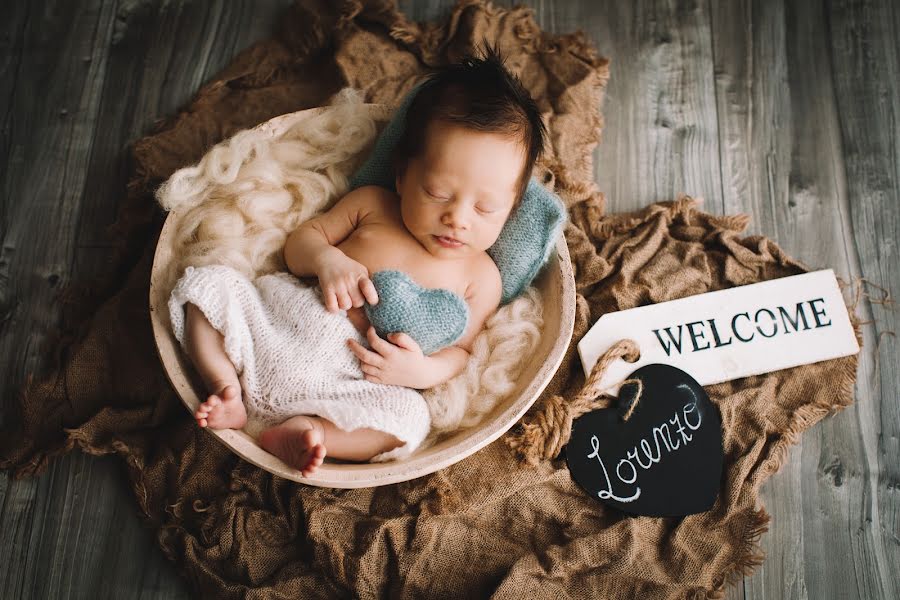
x,y
292,355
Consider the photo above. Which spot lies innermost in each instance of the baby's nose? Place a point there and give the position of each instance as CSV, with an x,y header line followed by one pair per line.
x,y
456,217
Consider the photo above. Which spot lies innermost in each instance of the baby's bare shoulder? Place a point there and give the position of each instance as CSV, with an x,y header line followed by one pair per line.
x,y
483,293
376,200
485,284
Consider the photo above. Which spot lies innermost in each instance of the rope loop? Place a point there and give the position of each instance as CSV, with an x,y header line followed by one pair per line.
x,y
542,435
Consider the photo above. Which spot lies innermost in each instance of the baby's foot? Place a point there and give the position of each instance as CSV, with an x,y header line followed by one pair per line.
x,y
299,442
223,410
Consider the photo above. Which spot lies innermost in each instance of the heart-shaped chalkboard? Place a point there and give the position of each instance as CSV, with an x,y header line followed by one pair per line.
x,y
664,461
434,318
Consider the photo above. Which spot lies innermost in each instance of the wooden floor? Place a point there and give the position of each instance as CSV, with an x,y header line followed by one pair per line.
x,y
788,111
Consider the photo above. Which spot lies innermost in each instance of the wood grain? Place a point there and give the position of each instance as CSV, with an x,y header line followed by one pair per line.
x,y
865,60
787,111
85,79
775,122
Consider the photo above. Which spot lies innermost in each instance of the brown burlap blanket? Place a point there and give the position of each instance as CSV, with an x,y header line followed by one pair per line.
x,y
488,525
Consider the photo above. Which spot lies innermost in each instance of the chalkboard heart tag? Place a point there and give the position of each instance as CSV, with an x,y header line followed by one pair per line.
x,y
665,460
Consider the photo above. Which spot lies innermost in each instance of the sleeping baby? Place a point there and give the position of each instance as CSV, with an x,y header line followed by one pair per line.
x,y
302,355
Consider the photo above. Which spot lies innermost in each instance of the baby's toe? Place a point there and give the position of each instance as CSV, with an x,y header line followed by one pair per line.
x,y
316,458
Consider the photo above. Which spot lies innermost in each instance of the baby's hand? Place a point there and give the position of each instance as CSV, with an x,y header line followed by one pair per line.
x,y
345,282
397,363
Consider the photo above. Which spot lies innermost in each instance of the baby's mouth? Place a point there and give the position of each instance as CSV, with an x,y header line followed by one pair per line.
x,y
448,242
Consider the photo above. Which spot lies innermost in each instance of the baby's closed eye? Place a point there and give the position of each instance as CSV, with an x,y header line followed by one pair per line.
x,y
436,194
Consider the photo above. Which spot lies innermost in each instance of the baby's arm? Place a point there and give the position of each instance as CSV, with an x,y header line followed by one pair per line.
x,y
311,250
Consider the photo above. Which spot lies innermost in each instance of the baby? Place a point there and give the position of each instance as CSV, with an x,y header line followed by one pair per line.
x,y
472,137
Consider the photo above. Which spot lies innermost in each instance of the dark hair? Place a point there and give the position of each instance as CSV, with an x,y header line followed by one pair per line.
x,y
480,94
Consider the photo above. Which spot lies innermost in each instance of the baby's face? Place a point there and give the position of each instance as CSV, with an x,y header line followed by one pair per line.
x,y
456,196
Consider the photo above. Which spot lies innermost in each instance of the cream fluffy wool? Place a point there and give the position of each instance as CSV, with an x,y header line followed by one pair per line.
x,y
292,355
239,203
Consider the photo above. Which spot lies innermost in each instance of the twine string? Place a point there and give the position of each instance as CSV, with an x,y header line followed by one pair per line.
x,y
639,390
543,434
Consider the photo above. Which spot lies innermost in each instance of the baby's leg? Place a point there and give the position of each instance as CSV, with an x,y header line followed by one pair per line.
x,y
301,442
223,408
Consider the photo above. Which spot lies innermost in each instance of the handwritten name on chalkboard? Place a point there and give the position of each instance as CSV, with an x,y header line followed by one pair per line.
x,y
743,328
660,457
651,451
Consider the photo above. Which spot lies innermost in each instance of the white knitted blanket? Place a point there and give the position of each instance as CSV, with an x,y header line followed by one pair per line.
x,y
292,355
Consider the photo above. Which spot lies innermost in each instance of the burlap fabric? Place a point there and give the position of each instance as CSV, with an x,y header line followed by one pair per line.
x,y
487,526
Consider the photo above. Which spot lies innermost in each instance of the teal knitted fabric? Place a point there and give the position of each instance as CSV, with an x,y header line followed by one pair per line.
x,y
377,170
434,318
527,239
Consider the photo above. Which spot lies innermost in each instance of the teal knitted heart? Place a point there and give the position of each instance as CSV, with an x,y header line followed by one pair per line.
x,y
434,318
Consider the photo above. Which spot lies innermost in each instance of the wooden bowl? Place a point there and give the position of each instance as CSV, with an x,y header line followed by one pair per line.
x,y
557,285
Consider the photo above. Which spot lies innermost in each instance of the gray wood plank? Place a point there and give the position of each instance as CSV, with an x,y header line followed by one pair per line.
x,y
78,536
99,74
661,135
44,172
865,59
783,163
58,526
13,19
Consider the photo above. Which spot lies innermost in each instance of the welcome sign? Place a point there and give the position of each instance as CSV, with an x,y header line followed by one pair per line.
x,y
738,332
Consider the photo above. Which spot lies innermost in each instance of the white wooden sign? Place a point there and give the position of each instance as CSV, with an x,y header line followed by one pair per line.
x,y
724,335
